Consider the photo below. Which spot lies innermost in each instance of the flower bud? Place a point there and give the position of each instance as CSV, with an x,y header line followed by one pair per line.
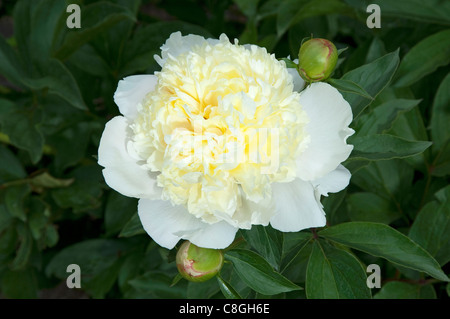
x,y
198,264
317,58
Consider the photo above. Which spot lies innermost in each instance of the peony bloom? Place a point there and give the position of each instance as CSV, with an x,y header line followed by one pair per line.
x,y
221,139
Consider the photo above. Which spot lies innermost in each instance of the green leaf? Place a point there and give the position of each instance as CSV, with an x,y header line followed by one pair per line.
x,y
266,241
133,227
21,125
440,116
119,210
291,12
385,146
98,260
59,81
10,64
430,11
373,78
84,193
48,181
25,248
258,274
383,116
13,198
349,87
431,228
334,273
371,207
11,167
227,290
404,290
96,18
289,63
383,241
19,284
156,284
424,58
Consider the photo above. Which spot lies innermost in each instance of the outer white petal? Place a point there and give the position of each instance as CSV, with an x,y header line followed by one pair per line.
x,y
329,116
167,224
299,83
121,171
333,182
297,207
131,91
178,44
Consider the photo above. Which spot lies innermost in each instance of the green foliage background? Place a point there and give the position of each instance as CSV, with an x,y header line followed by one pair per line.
x,y
57,90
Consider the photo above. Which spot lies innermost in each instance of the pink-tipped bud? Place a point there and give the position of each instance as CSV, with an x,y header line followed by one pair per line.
x,y
317,59
198,264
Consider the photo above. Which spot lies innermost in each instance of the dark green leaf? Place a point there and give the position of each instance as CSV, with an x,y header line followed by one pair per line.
x,y
334,273
349,87
59,81
96,18
266,241
431,228
20,284
227,290
10,64
11,168
404,290
431,11
21,125
291,12
440,116
424,58
384,146
133,227
258,274
157,285
371,207
383,116
383,241
373,78
119,210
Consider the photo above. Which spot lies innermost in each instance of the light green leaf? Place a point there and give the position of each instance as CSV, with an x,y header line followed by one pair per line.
x,y
258,274
424,58
335,274
384,146
48,181
373,78
383,241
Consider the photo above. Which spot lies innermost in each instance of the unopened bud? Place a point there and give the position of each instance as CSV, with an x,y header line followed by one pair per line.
x,y
198,264
317,59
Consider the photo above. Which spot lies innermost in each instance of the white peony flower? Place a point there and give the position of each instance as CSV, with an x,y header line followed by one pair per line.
x,y
219,140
